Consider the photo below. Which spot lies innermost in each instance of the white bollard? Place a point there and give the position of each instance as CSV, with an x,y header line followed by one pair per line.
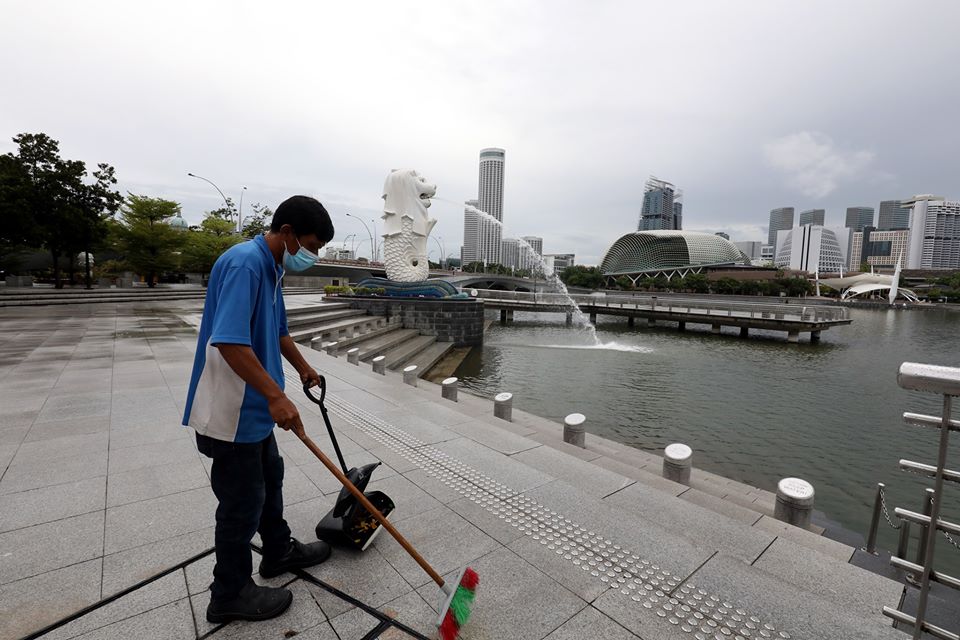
x,y
503,406
448,389
794,502
677,461
353,356
573,430
317,344
410,375
379,366
331,349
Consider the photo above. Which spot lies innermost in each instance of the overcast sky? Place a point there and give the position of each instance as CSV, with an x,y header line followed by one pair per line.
x,y
746,106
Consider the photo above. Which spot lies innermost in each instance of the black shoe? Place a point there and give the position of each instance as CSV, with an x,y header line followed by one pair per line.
x,y
298,556
252,603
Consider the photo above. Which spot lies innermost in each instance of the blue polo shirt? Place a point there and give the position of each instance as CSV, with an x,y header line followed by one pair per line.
x,y
244,305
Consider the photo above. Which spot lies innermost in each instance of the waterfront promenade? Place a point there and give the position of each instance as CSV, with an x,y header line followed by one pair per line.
x,y
101,488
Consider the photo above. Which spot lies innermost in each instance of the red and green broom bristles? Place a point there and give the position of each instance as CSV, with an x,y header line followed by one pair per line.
x,y
460,606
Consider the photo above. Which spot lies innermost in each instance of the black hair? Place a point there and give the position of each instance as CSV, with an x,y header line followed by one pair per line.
x,y
306,215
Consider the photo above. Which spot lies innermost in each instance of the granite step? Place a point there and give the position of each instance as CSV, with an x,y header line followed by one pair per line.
x,y
377,346
430,356
398,355
318,317
335,329
391,324
323,306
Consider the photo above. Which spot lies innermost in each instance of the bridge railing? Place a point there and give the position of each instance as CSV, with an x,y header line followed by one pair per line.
x,y
671,304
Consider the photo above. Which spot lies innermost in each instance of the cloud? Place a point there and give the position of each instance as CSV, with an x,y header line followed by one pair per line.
x,y
813,164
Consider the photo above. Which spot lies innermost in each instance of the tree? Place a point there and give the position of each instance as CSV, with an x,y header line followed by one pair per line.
x,y
149,245
696,282
624,283
51,202
258,222
581,276
203,245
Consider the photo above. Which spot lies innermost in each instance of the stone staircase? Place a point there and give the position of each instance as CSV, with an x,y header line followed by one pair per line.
x,y
320,325
734,571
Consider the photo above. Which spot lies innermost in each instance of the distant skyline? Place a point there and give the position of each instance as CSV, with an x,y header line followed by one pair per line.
x,y
326,98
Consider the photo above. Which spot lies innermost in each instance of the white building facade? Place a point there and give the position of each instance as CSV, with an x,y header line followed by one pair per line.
x,y
882,250
557,262
490,200
470,251
528,261
510,253
934,233
811,248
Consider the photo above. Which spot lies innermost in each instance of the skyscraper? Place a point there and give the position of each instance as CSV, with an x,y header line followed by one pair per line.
x,y
812,216
470,252
510,253
780,220
662,208
528,261
490,197
893,216
934,233
858,218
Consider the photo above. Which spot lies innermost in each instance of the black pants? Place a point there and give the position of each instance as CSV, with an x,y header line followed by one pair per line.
x,y
247,479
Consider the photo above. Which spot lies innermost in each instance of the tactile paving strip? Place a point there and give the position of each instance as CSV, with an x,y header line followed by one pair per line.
x,y
692,610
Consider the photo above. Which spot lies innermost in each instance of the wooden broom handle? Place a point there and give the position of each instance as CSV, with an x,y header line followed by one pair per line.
x,y
369,507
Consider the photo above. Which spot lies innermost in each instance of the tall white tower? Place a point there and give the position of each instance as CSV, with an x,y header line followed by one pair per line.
x,y
470,252
490,197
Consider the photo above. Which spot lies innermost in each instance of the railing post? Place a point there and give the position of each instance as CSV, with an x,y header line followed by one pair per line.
x,y
927,508
875,520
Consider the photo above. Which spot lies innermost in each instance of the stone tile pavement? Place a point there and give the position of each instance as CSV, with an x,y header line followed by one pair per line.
x,y
100,488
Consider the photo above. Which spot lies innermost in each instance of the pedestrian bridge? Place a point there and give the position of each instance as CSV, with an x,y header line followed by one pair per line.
x,y
794,319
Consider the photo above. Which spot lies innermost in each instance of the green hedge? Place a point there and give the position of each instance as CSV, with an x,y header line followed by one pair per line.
x,y
351,291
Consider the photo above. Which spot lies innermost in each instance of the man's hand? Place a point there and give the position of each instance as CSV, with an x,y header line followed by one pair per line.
x,y
309,376
285,414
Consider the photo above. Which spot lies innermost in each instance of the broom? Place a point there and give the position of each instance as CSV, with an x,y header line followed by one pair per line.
x,y
459,594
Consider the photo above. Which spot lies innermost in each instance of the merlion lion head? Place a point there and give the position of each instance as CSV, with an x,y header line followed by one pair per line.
x,y
406,192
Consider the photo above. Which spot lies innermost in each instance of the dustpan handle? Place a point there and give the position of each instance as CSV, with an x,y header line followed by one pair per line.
x,y
326,418
372,509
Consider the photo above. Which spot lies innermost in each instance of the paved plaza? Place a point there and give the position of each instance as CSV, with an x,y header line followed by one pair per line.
x,y
101,488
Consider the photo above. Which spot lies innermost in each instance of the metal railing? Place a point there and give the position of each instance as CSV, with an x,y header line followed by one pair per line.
x,y
944,381
672,304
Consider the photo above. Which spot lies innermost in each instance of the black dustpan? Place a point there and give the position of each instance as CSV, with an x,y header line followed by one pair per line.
x,y
349,524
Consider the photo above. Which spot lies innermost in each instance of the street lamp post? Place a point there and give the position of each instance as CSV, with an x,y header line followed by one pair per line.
x,y
372,254
442,255
225,200
376,241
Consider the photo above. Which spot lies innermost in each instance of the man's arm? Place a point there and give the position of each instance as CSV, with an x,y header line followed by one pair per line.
x,y
245,364
291,352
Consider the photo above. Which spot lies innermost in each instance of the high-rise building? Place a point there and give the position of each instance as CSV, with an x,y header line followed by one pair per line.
x,y
470,251
812,247
893,216
527,260
750,249
510,253
812,216
557,262
934,233
490,197
858,218
780,220
879,248
662,207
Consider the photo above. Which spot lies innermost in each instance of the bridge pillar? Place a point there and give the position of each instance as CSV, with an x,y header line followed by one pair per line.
x,y
815,336
569,318
593,318
793,336
744,332
630,321
682,326
509,315
503,316
715,329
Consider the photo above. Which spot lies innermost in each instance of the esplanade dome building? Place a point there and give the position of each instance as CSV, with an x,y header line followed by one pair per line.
x,y
668,253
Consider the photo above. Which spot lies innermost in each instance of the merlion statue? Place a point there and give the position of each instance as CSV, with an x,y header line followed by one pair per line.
x,y
406,225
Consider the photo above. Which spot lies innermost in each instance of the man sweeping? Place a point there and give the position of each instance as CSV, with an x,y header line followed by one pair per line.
x,y
235,399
